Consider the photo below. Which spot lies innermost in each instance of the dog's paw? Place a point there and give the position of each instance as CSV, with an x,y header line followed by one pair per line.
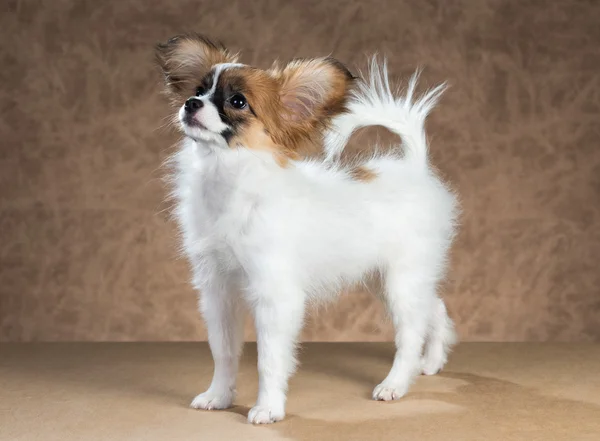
x,y
432,363
212,401
385,392
264,415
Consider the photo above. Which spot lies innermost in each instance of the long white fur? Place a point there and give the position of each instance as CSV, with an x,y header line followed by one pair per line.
x,y
269,239
374,104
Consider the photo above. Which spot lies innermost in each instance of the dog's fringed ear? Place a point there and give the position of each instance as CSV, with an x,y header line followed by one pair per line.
x,y
186,59
313,90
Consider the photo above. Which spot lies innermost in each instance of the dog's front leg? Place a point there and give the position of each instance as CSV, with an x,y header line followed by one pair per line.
x,y
279,314
223,313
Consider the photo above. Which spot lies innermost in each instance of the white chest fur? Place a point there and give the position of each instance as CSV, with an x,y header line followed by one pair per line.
x,y
217,193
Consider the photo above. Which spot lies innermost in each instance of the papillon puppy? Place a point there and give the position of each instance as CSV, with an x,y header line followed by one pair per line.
x,y
272,220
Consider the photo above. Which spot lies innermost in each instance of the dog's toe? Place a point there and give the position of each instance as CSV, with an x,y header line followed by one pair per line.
x,y
384,392
264,415
213,401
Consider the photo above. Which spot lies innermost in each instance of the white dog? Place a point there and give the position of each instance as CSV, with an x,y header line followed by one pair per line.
x,y
269,231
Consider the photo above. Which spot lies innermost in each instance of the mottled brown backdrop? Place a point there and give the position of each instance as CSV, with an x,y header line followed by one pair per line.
x,y
86,248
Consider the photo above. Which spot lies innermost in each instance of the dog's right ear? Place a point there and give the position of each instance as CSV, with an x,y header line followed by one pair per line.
x,y
186,59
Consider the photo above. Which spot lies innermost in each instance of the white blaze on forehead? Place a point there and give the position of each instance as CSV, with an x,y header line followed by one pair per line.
x,y
218,69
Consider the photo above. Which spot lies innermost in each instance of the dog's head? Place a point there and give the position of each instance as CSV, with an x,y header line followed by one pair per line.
x,y
235,105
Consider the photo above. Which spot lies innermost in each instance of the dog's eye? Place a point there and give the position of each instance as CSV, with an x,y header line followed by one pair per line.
x,y
200,91
238,101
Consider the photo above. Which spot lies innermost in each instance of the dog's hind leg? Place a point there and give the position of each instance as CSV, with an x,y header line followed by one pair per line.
x,y
440,339
410,295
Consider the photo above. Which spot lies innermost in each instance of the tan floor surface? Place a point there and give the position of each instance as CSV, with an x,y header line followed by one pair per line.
x,y
138,391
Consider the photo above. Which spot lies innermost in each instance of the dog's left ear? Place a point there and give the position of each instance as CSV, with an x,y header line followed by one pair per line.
x,y
313,90
186,59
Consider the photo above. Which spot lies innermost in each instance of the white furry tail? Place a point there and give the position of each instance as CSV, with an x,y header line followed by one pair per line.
x,y
373,104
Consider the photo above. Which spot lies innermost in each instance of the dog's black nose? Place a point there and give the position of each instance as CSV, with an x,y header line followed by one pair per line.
x,y
193,104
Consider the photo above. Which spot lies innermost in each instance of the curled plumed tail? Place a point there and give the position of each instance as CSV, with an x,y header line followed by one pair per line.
x,y
374,104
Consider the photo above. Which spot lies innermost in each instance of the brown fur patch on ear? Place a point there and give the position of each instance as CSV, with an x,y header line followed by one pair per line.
x,y
362,174
186,59
311,93
313,88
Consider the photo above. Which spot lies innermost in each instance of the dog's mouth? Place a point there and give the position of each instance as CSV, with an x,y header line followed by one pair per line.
x,y
190,121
